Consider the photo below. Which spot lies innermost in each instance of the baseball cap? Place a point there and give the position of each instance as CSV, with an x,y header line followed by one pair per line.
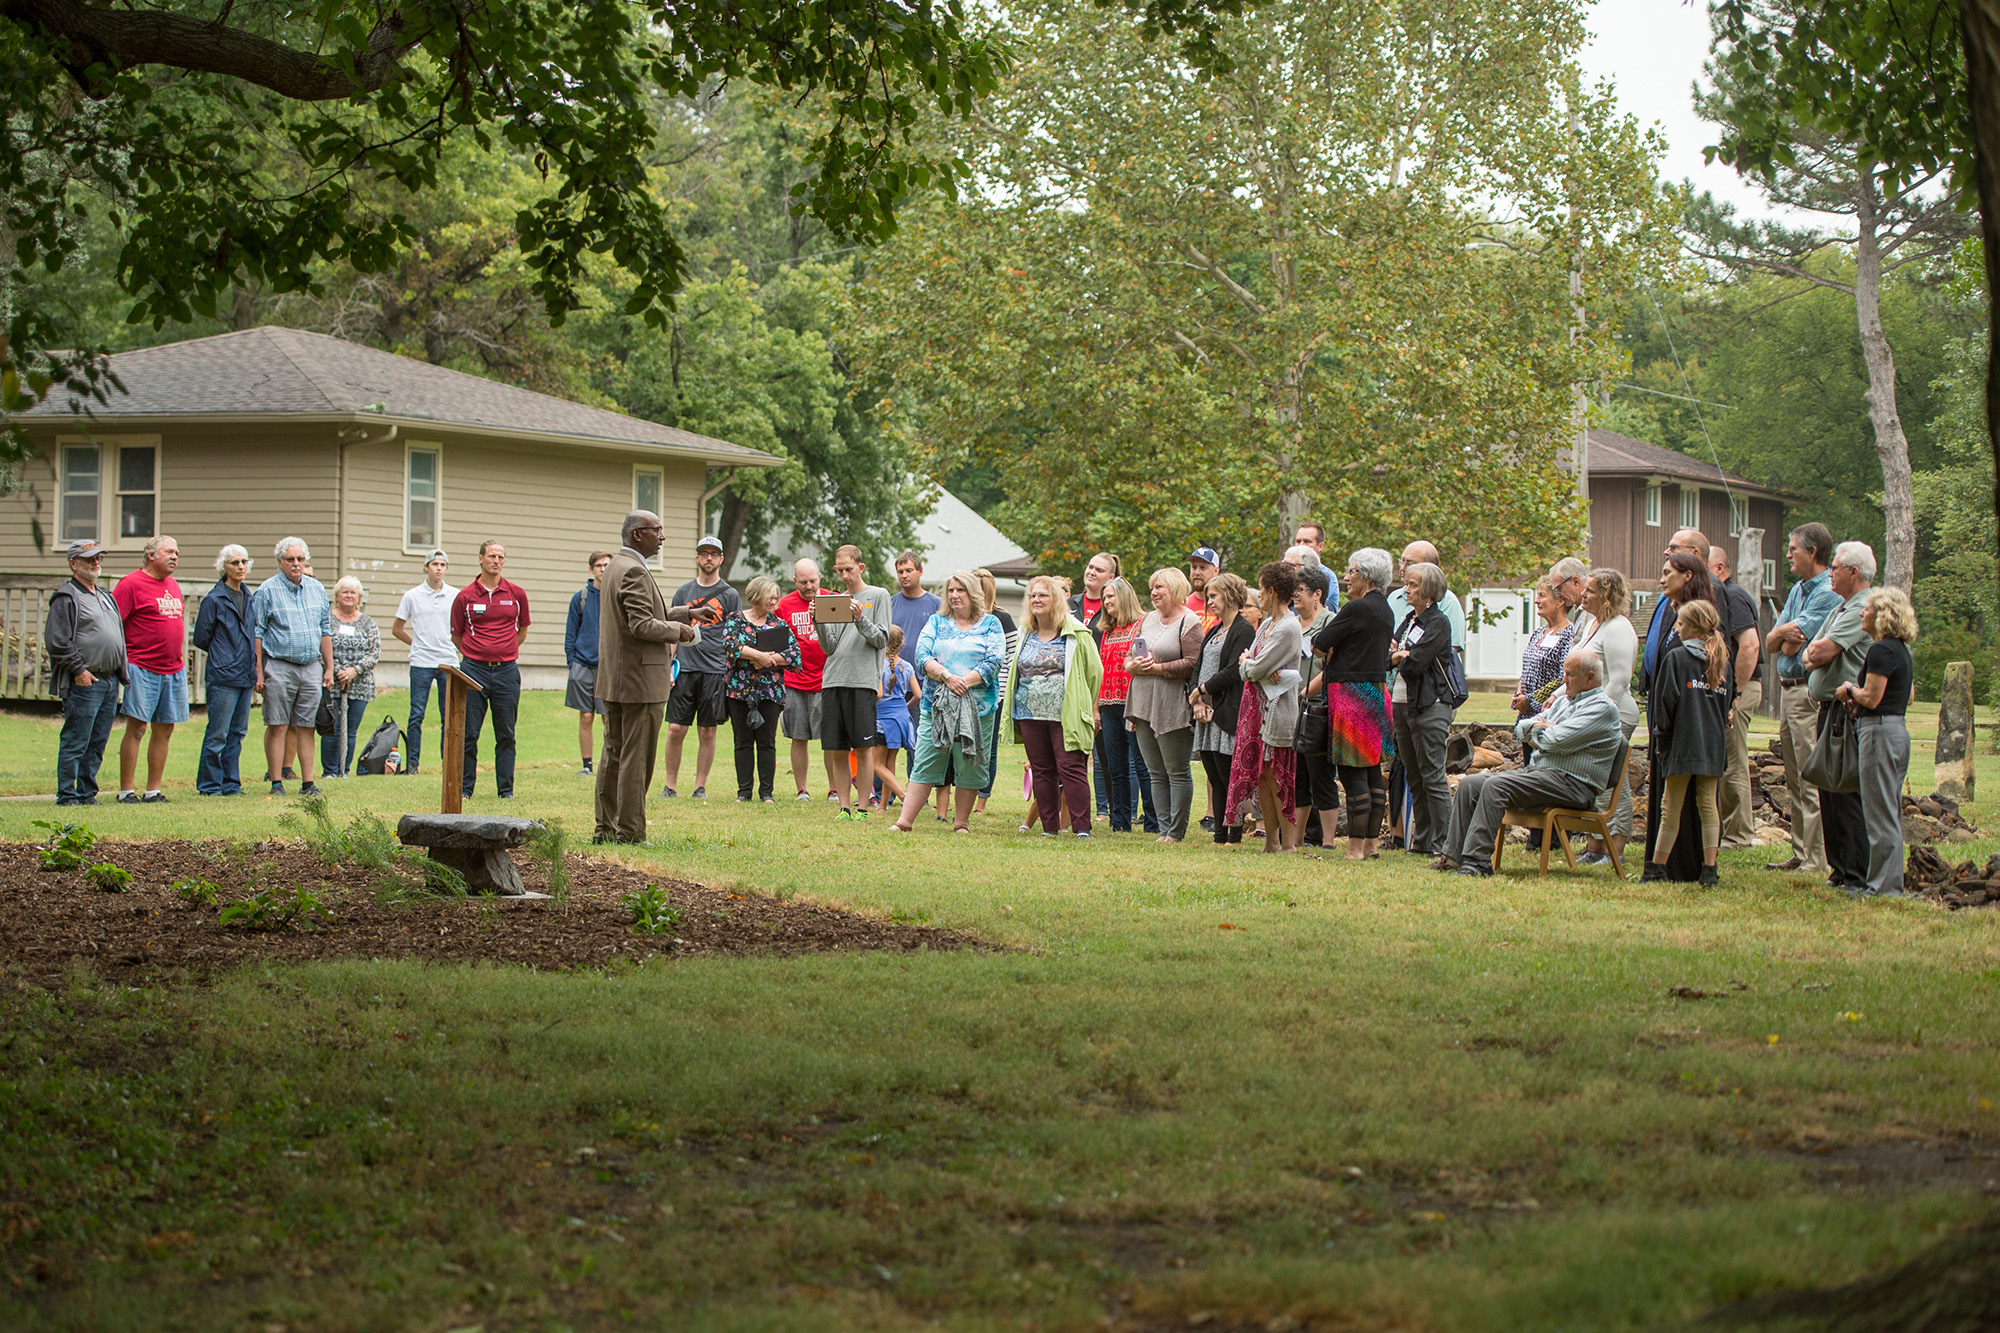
x,y
84,549
1206,554
709,543
438,554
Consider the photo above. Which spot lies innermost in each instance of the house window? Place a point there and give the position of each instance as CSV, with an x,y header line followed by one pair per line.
x,y
1739,514
1690,506
1653,506
648,485
138,492
1771,576
82,491
422,490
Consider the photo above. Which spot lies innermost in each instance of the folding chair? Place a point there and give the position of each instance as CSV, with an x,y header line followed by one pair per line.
x,y
1558,820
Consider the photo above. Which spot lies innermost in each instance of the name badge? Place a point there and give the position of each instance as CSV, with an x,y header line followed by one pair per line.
x,y
344,629
479,608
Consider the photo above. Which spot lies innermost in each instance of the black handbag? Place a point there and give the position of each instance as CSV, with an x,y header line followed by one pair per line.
x,y
327,721
1311,736
1835,762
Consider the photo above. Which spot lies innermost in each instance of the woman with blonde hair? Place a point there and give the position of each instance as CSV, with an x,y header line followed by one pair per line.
x,y
1879,701
1051,699
1162,659
759,647
958,659
1118,622
989,589
1689,719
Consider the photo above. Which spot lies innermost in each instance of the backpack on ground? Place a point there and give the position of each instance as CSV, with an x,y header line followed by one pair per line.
x,y
384,742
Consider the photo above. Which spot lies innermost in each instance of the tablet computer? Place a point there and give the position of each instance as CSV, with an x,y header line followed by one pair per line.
x,y
833,608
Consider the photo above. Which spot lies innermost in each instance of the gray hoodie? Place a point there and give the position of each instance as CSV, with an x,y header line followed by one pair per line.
x,y
854,653
84,633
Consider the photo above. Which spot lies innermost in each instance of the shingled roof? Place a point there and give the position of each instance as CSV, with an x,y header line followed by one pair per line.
x,y
1612,454
269,372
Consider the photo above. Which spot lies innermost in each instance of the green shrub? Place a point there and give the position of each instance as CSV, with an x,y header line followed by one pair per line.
x,y
652,914
65,846
275,909
109,878
198,892
549,845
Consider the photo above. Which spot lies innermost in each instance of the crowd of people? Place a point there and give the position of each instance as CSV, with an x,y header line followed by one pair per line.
x,y
1307,700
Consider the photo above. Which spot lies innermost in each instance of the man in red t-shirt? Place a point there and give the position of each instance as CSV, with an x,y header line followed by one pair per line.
x,y
802,686
489,618
156,688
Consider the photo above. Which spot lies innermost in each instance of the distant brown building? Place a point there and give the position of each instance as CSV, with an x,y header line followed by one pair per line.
x,y
1640,494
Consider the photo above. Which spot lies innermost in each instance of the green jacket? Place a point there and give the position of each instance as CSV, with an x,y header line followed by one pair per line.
x,y
1083,673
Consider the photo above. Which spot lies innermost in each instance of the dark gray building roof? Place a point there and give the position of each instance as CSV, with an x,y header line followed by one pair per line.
x,y
268,372
1613,454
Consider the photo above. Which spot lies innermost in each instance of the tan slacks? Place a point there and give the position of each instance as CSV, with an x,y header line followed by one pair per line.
x,y
625,768
1798,728
1739,828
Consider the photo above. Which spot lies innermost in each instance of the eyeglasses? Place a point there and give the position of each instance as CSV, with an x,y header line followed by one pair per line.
x,y
294,559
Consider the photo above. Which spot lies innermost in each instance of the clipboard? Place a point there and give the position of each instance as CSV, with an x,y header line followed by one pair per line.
x,y
833,608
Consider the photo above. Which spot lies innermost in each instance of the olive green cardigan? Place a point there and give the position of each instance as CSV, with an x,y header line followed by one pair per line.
x,y
1083,673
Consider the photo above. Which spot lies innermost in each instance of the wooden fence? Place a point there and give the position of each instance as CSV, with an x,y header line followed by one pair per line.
x,y
24,613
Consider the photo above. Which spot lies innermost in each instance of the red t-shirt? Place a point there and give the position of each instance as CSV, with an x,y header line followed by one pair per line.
x,y
797,612
1117,686
487,624
155,625
1091,606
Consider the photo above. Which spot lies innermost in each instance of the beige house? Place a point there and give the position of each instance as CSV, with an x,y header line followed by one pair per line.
x,y
372,458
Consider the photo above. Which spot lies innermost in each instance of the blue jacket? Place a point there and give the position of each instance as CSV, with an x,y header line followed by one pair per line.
x,y
580,630
223,632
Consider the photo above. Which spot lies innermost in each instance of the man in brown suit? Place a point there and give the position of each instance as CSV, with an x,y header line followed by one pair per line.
x,y
634,627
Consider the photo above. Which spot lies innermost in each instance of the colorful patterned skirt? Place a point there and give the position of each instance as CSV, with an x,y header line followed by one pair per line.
x,y
1253,759
1358,729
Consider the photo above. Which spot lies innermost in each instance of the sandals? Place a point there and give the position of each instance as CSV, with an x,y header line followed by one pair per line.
x,y
961,828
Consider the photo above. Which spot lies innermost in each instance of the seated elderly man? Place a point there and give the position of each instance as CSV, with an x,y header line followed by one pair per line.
x,y
1571,746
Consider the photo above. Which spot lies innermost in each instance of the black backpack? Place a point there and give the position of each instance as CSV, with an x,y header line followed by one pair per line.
x,y
374,757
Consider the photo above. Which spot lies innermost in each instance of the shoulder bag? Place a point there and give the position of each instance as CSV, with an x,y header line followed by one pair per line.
x,y
1835,762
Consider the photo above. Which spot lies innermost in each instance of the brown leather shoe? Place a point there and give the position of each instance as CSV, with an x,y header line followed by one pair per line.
x,y
1793,864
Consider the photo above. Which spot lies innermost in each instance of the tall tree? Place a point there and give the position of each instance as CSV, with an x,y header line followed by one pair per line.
x,y
1889,221
1187,311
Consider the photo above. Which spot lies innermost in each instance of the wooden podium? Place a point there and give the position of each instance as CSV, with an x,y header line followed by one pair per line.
x,y
456,683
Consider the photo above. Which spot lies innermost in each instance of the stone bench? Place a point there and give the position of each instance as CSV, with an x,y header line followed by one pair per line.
x,y
473,845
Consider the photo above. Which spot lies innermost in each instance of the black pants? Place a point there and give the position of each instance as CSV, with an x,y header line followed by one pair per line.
x,y
1367,799
755,744
1843,826
499,693
1217,766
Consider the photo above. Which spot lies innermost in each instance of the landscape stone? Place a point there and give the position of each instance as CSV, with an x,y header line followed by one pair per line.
x,y
1954,775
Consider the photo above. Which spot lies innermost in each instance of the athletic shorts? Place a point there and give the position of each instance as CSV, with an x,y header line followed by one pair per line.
x,y
846,718
291,692
700,698
801,714
153,696
581,693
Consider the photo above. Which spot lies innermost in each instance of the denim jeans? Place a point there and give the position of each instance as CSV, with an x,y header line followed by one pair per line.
x,y
499,692
421,680
330,757
88,712
222,742
1113,769
992,756
1141,783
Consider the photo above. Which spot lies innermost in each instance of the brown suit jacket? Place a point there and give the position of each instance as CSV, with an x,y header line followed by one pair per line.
x,y
634,627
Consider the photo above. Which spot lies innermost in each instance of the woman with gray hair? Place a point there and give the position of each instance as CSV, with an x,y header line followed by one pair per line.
x,y
1606,629
1355,644
1420,709
357,647
222,632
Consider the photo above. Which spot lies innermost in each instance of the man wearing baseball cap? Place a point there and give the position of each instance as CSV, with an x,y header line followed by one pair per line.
x,y
701,695
85,639
423,620
1203,564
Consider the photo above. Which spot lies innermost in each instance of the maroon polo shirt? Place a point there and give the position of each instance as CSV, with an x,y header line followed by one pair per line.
x,y
487,624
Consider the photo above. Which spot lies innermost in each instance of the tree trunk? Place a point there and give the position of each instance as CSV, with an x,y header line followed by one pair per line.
x,y
1899,505
1979,22
735,520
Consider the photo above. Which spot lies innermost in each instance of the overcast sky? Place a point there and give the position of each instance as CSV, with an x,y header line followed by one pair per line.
x,y
1652,52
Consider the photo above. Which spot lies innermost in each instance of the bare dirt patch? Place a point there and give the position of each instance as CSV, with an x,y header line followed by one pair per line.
x,y
50,918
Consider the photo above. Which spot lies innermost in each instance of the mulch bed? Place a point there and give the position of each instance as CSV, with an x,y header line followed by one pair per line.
x,y
48,918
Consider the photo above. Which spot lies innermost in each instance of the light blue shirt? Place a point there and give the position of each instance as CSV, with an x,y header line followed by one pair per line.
x,y
290,618
1808,604
960,651
1579,736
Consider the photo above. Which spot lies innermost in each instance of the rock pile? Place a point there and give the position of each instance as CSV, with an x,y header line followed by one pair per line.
x,y
1965,885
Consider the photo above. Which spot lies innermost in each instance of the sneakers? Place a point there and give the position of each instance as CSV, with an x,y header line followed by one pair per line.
x,y
277,789
153,798
770,800
669,793
1593,859
803,795
1709,879
1654,873
700,794
128,798
584,772
1083,835
308,789
1480,872
843,815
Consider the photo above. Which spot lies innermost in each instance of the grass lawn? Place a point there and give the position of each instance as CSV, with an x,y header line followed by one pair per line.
x,y
1201,1089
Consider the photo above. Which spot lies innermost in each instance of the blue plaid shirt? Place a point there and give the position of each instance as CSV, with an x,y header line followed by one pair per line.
x,y
1809,603
289,618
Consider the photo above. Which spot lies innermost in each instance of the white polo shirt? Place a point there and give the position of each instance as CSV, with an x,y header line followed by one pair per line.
x,y
428,614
